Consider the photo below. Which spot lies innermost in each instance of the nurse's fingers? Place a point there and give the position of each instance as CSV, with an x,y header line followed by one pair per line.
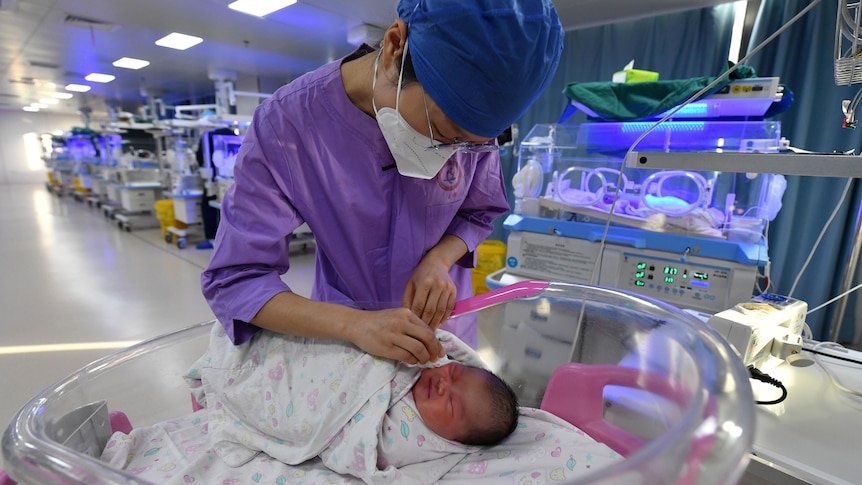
x,y
422,344
396,334
444,310
416,299
431,300
428,312
409,294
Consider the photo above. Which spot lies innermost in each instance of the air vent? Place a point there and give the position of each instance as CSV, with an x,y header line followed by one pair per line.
x,y
46,65
7,95
23,80
89,23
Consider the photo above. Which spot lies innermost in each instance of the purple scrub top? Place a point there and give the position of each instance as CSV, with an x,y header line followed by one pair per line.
x,y
311,156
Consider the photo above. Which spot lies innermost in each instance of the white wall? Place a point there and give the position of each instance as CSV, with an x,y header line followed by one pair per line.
x,y
15,168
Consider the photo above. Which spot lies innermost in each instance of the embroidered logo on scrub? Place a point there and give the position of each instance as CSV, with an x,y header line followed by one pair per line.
x,y
449,177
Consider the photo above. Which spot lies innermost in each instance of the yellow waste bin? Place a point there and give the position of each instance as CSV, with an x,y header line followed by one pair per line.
x,y
165,215
490,257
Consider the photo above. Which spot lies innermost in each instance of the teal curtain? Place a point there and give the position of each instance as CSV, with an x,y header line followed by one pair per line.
x,y
677,46
803,57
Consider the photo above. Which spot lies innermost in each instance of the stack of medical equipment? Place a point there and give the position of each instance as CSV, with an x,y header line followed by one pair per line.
x,y
655,386
765,331
134,187
69,159
110,150
184,186
695,239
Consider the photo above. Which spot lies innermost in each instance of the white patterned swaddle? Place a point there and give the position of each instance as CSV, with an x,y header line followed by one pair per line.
x,y
543,449
297,398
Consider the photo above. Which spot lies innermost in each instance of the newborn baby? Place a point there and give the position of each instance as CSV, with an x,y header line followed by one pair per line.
x,y
466,404
299,398
450,411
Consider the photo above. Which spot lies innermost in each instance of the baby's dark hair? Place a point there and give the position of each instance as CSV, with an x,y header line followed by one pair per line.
x,y
503,411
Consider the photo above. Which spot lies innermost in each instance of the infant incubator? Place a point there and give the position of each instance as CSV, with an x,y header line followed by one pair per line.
x,y
694,239
649,381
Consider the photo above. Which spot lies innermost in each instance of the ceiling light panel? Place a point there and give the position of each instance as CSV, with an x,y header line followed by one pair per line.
x,y
178,41
78,88
131,63
62,95
260,8
99,78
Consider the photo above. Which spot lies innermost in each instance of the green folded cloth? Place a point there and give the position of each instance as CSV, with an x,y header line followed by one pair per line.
x,y
612,101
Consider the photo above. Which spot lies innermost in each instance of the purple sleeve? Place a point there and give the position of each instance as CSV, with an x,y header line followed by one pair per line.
x,y
485,202
257,220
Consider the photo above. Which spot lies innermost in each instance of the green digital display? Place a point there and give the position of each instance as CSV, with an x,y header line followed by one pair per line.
x,y
668,279
640,274
641,265
670,270
639,283
700,276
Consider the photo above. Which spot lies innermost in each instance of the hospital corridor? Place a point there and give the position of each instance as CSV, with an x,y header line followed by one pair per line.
x,y
75,288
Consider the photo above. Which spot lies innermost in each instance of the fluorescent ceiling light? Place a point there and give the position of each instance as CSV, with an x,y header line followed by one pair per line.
x,y
260,8
99,78
38,105
131,63
178,41
78,88
62,95
49,101
31,109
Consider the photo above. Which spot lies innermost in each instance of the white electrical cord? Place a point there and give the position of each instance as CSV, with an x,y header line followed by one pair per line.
x,y
597,266
820,238
835,382
842,295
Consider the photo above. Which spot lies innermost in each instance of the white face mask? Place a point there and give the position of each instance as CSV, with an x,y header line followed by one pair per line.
x,y
407,145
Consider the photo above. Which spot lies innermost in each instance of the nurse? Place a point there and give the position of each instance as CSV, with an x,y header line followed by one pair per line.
x,y
390,157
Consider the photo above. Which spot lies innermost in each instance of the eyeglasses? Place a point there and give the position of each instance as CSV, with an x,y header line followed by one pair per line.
x,y
456,146
462,146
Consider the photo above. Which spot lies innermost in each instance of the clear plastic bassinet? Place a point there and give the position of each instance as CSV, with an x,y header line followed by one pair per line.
x,y
682,412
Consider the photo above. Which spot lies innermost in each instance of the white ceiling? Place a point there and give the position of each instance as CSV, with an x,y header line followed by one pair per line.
x,y
39,46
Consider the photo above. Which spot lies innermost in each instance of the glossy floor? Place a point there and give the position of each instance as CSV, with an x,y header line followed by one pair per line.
x,y
75,287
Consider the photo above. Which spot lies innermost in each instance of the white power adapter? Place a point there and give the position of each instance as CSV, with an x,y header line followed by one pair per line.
x,y
765,330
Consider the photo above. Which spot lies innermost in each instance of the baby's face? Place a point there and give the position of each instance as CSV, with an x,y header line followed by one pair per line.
x,y
451,399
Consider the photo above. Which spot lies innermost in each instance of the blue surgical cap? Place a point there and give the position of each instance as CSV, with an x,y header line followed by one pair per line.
x,y
483,62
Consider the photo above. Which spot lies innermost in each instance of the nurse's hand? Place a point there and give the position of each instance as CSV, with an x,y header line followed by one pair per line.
x,y
430,292
397,334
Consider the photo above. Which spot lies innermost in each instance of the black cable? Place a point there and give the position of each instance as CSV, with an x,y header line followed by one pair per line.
x,y
825,354
755,373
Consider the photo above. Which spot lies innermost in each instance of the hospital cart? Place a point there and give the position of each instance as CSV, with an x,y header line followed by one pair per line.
x,y
135,185
187,209
658,384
